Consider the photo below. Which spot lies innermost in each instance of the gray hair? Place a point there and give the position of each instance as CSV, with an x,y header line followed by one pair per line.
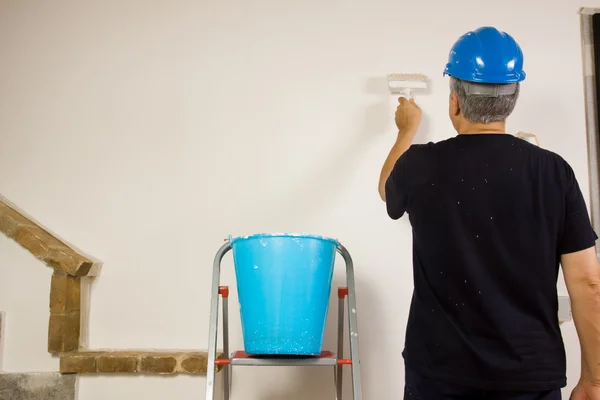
x,y
483,109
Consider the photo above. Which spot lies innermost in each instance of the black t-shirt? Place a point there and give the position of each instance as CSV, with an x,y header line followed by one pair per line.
x,y
491,215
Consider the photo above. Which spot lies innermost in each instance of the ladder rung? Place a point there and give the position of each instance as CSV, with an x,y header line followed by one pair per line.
x,y
242,358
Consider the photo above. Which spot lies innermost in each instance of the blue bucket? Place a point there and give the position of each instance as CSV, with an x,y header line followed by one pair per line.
x,y
284,284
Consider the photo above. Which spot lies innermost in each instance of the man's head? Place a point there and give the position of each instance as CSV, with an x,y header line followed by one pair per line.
x,y
467,107
485,68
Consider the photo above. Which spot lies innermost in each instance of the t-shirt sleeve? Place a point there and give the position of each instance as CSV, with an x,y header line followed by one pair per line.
x,y
409,172
396,193
578,233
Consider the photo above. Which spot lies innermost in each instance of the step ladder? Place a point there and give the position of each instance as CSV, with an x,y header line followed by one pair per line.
x,y
240,358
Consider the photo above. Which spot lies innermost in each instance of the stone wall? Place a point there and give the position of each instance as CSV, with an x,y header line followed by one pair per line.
x,y
37,386
72,271
150,362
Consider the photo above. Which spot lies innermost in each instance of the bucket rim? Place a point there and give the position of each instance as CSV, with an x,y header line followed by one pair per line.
x,y
232,240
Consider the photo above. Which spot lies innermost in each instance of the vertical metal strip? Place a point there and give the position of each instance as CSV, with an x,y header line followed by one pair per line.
x,y
227,367
590,31
353,323
339,372
214,321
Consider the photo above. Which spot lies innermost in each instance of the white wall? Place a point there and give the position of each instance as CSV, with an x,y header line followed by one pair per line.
x,y
145,132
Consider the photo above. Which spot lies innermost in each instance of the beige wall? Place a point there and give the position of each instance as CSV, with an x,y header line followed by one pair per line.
x,y
145,132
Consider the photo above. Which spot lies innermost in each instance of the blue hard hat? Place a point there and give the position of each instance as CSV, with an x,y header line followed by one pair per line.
x,y
486,55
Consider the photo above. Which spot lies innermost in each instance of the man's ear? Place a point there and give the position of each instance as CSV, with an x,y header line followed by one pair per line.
x,y
454,105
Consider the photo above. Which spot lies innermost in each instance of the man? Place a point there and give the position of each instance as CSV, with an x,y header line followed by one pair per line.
x,y
493,216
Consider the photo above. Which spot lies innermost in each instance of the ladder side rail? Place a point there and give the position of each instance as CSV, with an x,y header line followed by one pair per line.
x,y
352,323
214,322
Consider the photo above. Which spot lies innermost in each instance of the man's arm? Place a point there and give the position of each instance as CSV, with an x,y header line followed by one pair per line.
x,y
582,276
402,144
407,118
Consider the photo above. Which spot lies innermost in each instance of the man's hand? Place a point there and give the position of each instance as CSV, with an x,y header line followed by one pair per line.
x,y
408,115
408,118
585,391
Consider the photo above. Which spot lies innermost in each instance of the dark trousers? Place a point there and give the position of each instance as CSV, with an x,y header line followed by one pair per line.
x,y
420,388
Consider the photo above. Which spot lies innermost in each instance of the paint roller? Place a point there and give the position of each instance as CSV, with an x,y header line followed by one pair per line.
x,y
404,84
